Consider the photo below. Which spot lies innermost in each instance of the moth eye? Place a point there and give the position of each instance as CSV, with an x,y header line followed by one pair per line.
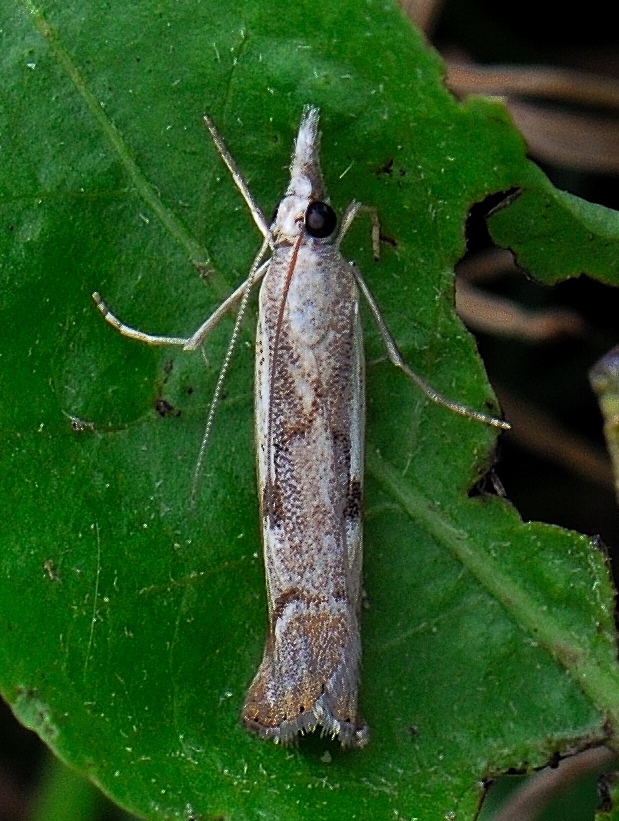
x,y
320,219
274,217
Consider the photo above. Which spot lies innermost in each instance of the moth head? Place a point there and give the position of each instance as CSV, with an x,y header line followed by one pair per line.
x,y
304,206
318,221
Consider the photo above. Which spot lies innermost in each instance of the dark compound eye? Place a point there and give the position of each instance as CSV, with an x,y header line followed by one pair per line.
x,y
320,220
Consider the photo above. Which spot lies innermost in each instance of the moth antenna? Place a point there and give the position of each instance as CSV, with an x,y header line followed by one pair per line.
x,y
225,366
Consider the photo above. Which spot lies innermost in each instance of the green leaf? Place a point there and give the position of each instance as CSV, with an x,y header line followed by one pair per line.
x,y
555,235
131,624
64,795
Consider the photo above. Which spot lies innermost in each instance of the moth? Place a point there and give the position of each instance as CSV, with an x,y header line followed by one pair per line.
x,y
309,426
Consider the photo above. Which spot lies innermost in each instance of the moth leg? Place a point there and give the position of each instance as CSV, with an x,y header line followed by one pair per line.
x,y
397,359
238,178
189,343
207,326
133,333
352,211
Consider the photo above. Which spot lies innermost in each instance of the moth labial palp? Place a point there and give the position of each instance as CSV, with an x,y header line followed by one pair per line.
x,y
309,421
